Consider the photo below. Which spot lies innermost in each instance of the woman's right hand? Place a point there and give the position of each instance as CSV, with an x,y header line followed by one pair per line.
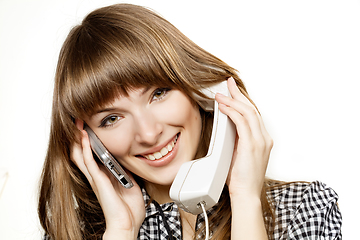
x,y
123,209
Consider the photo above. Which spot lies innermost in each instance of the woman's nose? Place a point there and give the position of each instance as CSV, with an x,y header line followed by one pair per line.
x,y
148,129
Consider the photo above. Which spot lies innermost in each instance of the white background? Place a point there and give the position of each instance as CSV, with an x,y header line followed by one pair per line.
x,y
300,61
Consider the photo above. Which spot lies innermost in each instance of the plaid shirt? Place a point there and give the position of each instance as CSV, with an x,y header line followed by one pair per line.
x,y
302,211
160,220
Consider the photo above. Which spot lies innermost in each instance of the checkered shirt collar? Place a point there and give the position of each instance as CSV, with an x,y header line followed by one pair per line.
x,y
155,227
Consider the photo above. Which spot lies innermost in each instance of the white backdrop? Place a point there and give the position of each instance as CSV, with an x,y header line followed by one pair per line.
x,y
300,61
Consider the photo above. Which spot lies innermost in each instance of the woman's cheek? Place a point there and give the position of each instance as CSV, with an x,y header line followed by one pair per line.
x,y
118,141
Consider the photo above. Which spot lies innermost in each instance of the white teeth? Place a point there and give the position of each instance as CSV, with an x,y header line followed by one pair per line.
x,y
163,151
157,155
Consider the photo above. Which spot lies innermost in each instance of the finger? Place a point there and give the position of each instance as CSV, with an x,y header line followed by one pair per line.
x,y
79,124
76,155
241,113
238,95
77,151
242,127
89,161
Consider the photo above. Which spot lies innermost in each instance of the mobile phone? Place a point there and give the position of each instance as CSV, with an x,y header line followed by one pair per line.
x,y
107,159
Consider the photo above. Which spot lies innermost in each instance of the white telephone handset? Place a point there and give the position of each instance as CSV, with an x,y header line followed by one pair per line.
x,y
202,180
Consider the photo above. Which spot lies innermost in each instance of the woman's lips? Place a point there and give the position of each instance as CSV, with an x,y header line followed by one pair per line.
x,y
163,152
164,156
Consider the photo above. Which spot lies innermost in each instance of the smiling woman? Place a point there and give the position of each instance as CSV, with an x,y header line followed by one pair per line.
x,y
131,76
151,131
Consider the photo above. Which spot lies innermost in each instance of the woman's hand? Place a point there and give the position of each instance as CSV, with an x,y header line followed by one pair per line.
x,y
252,147
247,171
123,208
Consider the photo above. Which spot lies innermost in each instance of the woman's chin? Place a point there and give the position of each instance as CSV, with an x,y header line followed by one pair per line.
x,y
163,180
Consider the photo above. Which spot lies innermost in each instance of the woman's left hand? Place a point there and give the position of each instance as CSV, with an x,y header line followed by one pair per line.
x,y
252,146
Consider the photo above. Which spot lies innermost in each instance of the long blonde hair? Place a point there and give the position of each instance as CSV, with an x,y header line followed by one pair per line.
x,y
117,48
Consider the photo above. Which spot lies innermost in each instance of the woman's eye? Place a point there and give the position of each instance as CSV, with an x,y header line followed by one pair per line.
x,y
159,93
109,121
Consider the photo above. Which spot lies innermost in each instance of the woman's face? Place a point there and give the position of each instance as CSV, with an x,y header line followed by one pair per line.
x,y
151,132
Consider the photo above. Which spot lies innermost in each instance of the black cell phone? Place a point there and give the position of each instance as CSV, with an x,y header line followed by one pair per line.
x,y
107,159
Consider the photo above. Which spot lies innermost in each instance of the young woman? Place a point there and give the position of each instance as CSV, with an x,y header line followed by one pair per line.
x,y
131,77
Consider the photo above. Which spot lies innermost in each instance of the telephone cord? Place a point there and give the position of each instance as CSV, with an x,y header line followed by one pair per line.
x,y
206,221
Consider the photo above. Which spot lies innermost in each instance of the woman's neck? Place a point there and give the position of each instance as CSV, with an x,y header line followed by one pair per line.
x,y
160,193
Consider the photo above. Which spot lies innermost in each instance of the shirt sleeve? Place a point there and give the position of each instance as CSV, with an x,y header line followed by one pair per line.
x,y
317,216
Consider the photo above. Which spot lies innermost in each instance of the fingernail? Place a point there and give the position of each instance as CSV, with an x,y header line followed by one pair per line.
x,y
220,94
231,79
